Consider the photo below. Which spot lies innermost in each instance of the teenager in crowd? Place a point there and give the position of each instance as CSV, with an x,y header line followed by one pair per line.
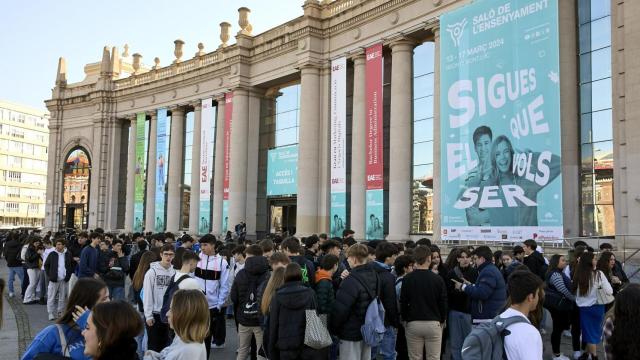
x,y
110,332
287,318
276,280
587,281
86,294
212,273
189,318
607,264
621,326
459,318
385,255
188,265
559,286
115,269
33,262
534,259
292,248
156,281
523,340
59,267
403,265
11,250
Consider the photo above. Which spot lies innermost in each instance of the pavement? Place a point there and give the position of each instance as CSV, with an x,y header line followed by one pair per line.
x,y
22,322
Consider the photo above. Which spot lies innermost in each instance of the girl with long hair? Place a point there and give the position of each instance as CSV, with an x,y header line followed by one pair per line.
x,y
110,331
607,264
138,279
621,326
33,263
587,282
558,286
85,295
275,282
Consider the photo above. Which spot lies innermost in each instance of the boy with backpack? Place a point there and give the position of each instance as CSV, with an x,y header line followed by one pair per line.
x,y
182,280
292,248
156,282
510,335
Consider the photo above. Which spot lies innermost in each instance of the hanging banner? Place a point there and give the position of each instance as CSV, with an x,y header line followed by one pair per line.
x,y
282,171
338,146
228,112
207,118
375,144
500,121
140,176
161,173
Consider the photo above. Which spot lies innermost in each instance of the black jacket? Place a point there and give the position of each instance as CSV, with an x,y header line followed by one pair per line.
x,y
32,258
423,297
311,269
51,266
287,320
388,295
12,250
255,272
352,300
458,300
75,249
134,261
113,276
535,262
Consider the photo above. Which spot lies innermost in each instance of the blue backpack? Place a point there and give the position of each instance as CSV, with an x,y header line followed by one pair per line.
x,y
373,328
168,295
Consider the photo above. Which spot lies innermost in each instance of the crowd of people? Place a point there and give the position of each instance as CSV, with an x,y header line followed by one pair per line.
x,y
155,296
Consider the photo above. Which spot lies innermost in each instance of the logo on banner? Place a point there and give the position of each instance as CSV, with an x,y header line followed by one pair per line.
x,y
456,31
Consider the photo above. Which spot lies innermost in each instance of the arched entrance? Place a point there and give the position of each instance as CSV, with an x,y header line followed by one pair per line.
x,y
75,195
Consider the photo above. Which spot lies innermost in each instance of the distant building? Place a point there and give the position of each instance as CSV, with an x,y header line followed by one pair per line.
x,y
24,142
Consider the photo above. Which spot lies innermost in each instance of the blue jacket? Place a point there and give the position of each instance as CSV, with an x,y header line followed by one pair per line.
x,y
489,294
88,262
48,341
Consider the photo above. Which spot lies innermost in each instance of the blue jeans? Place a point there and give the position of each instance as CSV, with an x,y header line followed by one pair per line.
x,y
459,327
387,347
13,271
116,293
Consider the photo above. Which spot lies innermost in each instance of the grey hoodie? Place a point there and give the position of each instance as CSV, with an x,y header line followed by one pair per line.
x,y
156,281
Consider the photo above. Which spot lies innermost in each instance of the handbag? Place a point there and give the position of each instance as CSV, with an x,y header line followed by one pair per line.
x,y
316,335
556,301
63,345
603,298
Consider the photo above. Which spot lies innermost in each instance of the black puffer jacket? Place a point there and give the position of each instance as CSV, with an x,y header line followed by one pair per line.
x,y
287,320
388,295
32,260
255,272
352,300
535,262
12,250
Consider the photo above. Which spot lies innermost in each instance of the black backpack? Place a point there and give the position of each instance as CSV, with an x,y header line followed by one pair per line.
x,y
250,309
168,294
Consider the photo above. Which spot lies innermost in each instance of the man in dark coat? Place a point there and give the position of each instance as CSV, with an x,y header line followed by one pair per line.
x,y
534,260
12,249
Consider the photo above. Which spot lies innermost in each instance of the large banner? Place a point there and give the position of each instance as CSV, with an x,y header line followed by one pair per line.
x,y
207,118
228,112
338,146
138,211
375,144
282,171
500,121
161,173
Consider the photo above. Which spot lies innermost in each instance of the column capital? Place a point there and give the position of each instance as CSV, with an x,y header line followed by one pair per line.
x,y
219,98
197,105
176,109
131,117
152,113
436,30
357,55
401,43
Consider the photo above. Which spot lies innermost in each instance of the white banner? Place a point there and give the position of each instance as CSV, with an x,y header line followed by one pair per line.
x,y
206,155
339,125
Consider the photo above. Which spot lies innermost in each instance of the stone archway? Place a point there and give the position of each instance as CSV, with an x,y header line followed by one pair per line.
x,y
76,180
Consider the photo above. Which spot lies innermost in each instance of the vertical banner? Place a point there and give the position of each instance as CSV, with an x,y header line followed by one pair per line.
x,y
161,173
207,117
138,211
338,146
500,121
228,112
375,144
282,171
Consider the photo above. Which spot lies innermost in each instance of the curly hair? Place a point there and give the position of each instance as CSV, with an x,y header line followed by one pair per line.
x,y
624,339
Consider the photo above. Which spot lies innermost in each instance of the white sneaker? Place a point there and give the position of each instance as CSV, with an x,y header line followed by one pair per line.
x,y
577,354
561,357
566,333
12,295
51,317
214,346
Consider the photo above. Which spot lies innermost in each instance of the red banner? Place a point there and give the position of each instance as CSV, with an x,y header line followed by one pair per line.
x,y
375,144
228,111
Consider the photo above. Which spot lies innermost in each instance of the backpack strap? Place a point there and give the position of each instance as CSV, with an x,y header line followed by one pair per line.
x,y
63,341
183,277
367,289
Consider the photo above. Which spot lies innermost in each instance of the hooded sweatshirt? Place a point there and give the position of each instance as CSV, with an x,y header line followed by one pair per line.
x,y
156,281
212,273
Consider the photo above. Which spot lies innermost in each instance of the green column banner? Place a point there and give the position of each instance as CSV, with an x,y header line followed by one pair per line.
x,y
138,213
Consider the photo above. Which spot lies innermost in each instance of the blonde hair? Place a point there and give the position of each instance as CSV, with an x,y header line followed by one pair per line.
x,y
275,281
190,315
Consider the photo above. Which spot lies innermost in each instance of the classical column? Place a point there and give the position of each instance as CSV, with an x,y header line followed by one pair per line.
x,y
176,163
152,162
253,155
436,135
131,175
400,142
307,207
238,157
218,169
194,202
358,144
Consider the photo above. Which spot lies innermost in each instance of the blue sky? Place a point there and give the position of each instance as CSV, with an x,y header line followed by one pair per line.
x,y
35,33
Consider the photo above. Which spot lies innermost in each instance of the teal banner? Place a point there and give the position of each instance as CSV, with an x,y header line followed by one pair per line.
x,y
500,121
375,214
161,173
338,213
225,216
282,171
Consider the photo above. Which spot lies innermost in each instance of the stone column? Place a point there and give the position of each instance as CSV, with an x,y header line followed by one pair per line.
x,y
238,157
152,162
253,153
400,142
358,147
308,176
436,136
131,175
194,202
176,163
218,169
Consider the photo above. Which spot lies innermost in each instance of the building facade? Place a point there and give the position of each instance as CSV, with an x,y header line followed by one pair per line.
x,y
24,140
268,96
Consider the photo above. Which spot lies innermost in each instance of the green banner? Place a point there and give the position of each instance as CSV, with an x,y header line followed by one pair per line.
x,y
138,213
282,171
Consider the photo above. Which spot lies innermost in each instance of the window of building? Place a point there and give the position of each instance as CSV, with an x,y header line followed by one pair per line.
x,y
12,207
13,192
596,126
287,116
422,184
